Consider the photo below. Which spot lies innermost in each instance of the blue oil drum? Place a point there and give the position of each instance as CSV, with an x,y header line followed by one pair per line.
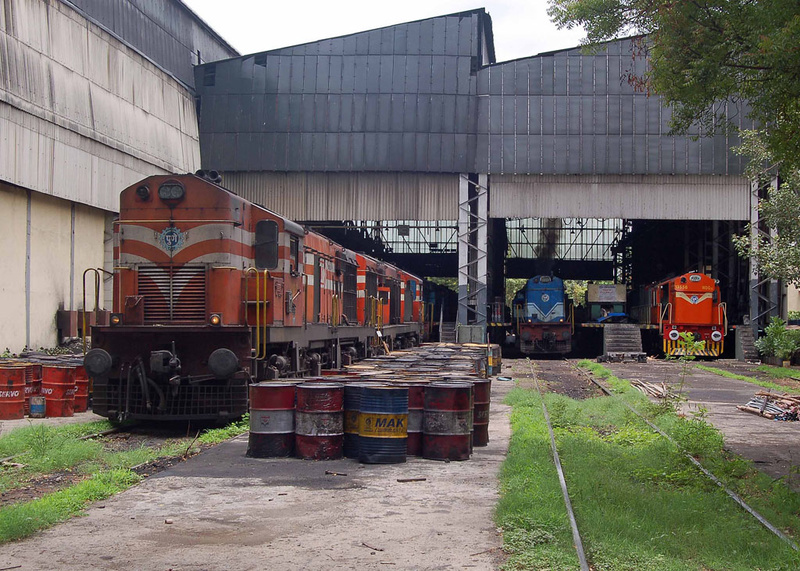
x,y
352,410
383,425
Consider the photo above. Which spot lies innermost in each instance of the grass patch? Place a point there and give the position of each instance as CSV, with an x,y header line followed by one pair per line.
x,y
21,520
217,435
640,504
779,372
752,380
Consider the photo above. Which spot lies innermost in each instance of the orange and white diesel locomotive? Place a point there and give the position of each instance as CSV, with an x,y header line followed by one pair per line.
x,y
689,303
212,292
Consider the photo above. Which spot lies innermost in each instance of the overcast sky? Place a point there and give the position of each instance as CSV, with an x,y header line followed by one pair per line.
x,y
521,27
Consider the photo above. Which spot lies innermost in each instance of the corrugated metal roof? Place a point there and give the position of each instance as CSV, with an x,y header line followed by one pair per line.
x,y
393,99
571,113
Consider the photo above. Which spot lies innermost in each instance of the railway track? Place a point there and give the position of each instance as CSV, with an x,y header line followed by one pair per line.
x,y
565,377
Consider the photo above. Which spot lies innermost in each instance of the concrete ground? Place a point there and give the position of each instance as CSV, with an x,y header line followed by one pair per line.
x,y
223,511
773,446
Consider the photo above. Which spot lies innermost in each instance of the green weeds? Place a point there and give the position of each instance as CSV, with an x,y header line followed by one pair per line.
x,y
640,504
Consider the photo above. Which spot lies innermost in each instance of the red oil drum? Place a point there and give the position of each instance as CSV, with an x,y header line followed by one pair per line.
x,y
271,420
446,422
12,392
81,389
416,408
319,421
482,390
58,389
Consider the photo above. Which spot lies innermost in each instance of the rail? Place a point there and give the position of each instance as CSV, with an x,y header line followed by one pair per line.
x,y
731,494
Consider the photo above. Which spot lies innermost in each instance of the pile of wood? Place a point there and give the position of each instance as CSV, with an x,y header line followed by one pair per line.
x,y
658,391
771,405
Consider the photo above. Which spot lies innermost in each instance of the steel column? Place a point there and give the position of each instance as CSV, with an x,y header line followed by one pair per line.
x,y
473,215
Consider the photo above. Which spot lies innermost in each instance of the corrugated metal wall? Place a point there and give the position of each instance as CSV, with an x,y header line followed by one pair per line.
x,y
652,197
572,113
81,114
166,31
400,98
350,196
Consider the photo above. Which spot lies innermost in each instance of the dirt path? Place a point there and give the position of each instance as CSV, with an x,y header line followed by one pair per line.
x,y
223,511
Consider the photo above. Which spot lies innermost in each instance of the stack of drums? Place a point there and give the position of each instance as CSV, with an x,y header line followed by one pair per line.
x,y
58,389
12,392
81,389
382,425
447,421
482,390
352,409
319,421
272,432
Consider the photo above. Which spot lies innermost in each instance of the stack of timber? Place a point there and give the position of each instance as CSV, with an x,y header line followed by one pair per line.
x,y
659,391
772,406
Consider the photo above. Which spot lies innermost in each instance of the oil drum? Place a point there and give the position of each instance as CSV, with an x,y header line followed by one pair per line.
x,y
271,420
33,383
319,421
446,422
416,408
81,389
383,425
58,388
352,405
12,392
482,390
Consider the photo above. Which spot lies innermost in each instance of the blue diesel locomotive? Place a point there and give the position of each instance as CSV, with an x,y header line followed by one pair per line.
x,y
543,318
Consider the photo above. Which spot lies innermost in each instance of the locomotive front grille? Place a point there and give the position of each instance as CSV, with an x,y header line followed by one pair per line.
x,y
173,294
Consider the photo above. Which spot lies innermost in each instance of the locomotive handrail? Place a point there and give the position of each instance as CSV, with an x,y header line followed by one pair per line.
x,y
205,221
722,308
667,308
247,273
96,302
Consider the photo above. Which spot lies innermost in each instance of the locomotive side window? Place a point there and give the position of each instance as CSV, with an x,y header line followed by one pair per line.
x,y
266,244
294,253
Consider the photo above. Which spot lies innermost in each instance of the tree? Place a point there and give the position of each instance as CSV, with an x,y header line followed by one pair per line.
x,y
705,56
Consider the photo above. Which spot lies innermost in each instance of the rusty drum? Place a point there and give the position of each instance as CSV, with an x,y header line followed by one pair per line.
x,y
447,420
482,390
319,421
81,389
272,409
58,389
12,392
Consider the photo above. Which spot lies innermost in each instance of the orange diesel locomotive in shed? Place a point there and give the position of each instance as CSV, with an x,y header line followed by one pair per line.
x,y
212,292
689,304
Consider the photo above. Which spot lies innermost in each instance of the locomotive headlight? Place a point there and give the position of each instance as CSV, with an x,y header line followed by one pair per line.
x,y
171,190
716,336
215,319
674,335
116,319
